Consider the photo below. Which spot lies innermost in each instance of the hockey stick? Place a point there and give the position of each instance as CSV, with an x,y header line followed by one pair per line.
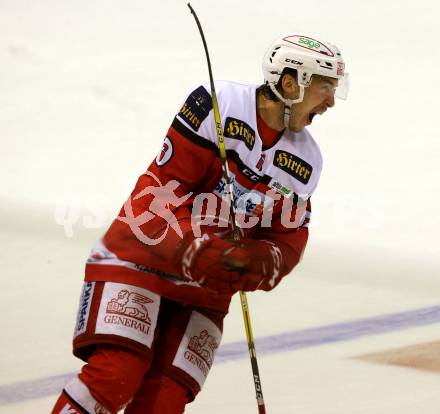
x,y
235,230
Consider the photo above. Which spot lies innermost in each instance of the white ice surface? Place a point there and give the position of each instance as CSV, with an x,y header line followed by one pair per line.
x,y
87,91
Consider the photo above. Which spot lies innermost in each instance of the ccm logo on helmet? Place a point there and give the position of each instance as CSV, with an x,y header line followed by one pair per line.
x,y
295,62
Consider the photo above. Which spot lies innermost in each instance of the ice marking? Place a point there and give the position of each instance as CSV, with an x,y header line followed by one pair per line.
x,y
284,342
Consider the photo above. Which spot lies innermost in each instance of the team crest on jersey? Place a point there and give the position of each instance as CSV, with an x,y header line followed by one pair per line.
x,y
237,129
293,165
196,108
165,153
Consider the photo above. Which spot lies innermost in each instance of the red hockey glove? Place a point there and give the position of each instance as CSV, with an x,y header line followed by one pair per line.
x,y
226,266
258,261
202,260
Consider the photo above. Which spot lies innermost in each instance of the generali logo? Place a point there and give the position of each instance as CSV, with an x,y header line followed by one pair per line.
x,y
129,309
201,350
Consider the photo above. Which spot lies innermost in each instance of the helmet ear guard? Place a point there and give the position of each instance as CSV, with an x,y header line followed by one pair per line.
x,y
287,102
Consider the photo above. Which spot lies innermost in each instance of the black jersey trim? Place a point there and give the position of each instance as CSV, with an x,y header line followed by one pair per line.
x,y
250,174
192,136
246,170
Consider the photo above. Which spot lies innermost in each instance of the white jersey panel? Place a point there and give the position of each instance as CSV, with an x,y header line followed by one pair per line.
x,y
291,166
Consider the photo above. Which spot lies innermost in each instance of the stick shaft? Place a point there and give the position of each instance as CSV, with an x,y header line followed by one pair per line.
x,y
235,230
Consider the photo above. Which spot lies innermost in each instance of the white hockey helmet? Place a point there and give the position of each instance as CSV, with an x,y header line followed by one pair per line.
x,y
308,57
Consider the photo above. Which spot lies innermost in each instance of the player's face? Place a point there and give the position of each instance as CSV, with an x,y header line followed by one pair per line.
x,y
318,97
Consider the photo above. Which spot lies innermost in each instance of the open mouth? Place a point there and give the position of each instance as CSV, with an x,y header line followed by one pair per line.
x,y
311,116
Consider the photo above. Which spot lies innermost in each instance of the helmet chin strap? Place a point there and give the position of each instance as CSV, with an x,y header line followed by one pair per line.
x,y
288,102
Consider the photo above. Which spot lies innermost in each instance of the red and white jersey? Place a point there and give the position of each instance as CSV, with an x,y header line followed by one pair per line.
x,y
183,190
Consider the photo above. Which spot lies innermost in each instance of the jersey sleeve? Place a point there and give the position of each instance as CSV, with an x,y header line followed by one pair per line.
x,y
161,201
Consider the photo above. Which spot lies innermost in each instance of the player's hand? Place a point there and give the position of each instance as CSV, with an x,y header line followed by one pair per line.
x,y
259,262
225,266
209,261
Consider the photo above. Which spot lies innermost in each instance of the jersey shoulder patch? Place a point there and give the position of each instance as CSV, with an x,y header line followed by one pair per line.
x,y
196,108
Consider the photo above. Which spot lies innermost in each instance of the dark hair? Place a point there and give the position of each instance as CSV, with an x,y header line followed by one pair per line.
x,y
265,88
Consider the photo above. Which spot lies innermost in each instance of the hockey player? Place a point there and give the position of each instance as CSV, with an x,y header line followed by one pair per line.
x,y
159,283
